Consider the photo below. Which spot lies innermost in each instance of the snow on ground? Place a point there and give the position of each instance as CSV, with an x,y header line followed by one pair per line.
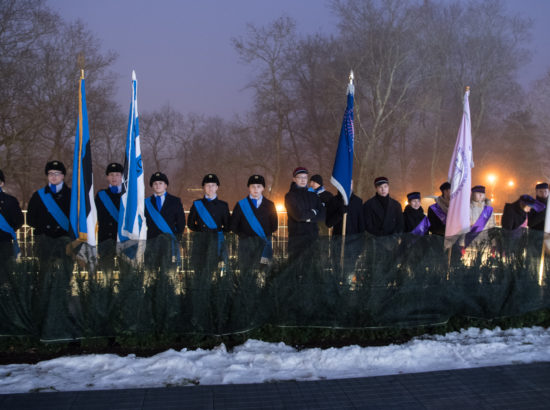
x,y
258,362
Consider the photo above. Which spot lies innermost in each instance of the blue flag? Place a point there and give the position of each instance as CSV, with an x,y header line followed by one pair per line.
x,y
343,163
83,214
131,218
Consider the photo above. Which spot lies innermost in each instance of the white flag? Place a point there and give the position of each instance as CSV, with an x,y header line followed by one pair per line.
x,y
460,177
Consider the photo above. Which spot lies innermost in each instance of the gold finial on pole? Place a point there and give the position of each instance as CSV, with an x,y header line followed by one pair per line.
x,y
80,60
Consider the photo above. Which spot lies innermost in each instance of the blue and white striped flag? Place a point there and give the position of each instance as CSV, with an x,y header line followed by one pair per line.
x,y
83,214
343,163
131,218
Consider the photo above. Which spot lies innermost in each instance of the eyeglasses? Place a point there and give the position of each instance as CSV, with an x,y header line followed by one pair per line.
x,y
54,173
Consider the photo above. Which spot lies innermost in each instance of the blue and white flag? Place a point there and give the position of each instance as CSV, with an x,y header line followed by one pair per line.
x,y
343,163
83,214
460,177
131,218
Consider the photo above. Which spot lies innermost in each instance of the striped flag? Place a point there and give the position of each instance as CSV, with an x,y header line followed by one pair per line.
x,y
460,177
83,214
343,163
131,218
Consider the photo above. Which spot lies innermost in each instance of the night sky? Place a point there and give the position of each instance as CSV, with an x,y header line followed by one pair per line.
x,y
182,52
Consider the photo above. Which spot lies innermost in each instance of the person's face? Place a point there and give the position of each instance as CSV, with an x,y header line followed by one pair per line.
x,y
1,184
255,190
159,187
478,196
383,189
415,203
301,180
114,178
447,194
314,184
210,189
526,208
542,193
55,177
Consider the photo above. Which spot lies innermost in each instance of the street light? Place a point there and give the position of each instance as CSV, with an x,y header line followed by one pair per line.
x,y
492,179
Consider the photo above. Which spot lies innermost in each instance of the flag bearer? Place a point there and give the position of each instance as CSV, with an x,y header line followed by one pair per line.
x,y
437,213
383,214
107,202
11,218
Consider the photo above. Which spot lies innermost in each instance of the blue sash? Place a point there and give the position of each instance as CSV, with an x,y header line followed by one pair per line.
x,y
439,212
6,227
256,227
161,223
422,227
479,224
538,206
109,205
209,221
158,218
54,209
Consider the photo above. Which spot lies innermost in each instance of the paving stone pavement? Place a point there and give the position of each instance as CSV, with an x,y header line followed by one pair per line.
x,y
521,386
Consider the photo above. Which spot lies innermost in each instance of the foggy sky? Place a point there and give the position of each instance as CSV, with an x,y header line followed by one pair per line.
x,y
182,52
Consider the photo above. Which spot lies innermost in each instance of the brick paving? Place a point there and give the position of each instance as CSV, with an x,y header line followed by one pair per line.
x,y
521,386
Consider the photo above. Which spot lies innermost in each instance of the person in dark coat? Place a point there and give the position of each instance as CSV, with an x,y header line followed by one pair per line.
x,y
169,207
251,246
437,213
515,215
413,215
316,184
383,214
10,211
38,216
305,209
218,209
107,223
537,215
355,222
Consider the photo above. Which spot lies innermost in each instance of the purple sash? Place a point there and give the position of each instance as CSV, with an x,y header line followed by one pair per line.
x,y
538,206
422,228
439,212
480,224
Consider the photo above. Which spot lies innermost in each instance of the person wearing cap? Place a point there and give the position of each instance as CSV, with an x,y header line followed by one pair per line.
x,y
305,209
537,215
383,214
254,219
11,217
107,202
49,207
163,212
437,213
316,184
515,214
414,219
481,212
218,210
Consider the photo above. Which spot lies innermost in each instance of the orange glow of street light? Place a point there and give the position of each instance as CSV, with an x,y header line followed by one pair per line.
x,y
491,178
511,183
280,208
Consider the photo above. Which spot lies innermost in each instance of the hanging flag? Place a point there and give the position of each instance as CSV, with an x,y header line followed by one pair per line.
x,y
343,163
83,214
460,177
131,218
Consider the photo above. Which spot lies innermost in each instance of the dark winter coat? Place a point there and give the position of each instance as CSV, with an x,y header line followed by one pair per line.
x,y
10,210
536,219
513,216
325,196
173,214
219,211
412,217
355,222
107,225
265,213
437,227
41,220
304,210
380,221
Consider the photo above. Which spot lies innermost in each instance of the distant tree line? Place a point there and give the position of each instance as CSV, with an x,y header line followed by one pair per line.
x,y
411,59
